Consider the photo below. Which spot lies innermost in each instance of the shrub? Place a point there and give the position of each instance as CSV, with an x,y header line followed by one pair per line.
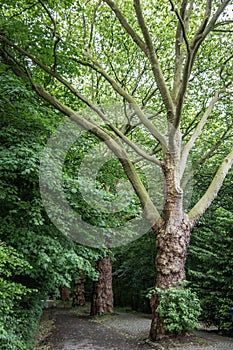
x,y
179,306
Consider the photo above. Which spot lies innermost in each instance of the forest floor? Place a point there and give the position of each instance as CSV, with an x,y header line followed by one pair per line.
x,y
63,328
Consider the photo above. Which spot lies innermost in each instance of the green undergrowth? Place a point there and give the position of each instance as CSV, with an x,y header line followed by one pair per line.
x,y
45,328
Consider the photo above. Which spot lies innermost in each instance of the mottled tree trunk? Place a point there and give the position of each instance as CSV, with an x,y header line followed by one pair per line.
x,y
171,249
172,241
102,299
79,292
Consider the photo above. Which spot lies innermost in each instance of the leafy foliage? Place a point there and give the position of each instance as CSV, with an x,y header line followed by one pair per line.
x,y
179,306
35,257
11,264
17,324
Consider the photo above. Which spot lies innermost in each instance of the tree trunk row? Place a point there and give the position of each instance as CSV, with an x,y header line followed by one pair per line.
x,y
102,297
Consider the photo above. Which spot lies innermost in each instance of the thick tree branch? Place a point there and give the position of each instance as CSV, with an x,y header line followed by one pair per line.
x,y
136,38
97,109
204,29
55,75
148,49
189,145
155,66
181,35
150,126
152,213
203,204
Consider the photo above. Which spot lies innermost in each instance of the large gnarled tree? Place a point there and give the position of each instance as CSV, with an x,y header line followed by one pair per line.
x,y
172,58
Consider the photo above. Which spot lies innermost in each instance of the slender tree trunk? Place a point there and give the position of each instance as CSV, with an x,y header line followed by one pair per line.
x,y
171,249
102,300
79,292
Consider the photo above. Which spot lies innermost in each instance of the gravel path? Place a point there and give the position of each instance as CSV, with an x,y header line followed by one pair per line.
x,y
73,330
78,332
138,325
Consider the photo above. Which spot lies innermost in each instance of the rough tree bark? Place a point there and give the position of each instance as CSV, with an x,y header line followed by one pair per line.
x,y
171,248
172,237
79,292
102,299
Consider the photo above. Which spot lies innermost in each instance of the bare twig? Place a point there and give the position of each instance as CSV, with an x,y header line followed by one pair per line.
x,y
149,95
140,75
224,65
23,10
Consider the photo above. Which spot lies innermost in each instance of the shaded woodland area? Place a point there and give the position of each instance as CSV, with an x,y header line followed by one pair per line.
x,y
114,79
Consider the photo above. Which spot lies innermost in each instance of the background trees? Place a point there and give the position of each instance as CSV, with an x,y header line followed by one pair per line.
x,y
90,53
210,269
35,257
210,260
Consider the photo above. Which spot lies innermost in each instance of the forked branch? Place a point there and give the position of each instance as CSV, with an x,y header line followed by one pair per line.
x,y
181,21
151,212
210,153
202,32
147,47
149,125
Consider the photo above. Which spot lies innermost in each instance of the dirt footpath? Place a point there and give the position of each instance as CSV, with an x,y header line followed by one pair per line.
x,y
75,330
